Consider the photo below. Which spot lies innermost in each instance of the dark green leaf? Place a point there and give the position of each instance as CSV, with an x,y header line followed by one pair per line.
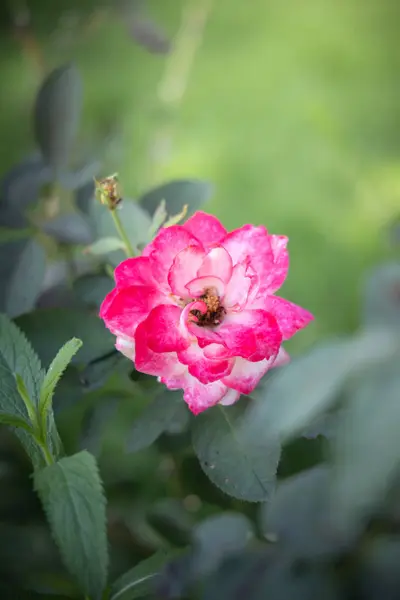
x,y
176,194
296,516
21,262
296,394
57,113
72,180
84,197
96,422
142,579
49,329
72,495
92,289
73,228
382,296
105,246
366,448
157,417
170,519
218,537
21,187
20,358
239,454
379,574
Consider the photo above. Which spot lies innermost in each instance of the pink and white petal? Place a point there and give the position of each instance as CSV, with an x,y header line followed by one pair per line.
x,y
123,309
126,346
217,263
164,333
290,317
280,265
206,370
251,334
231,397
282,359
164,248
199,396
196,287
134,271
246,375
160,364
203,335
184,269
248,241
205,228
237,290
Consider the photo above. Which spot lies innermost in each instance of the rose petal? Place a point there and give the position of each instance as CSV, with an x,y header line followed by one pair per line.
x,y
123,309
184,269
289,316
267,253
205,369
245,375
197,287
251,334
217,263
237,290
230,397
282,359
163,364
126,346
134,271
205,228
164,248
164,333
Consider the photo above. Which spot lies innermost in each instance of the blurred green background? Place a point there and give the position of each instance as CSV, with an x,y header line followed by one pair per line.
x,y
291,109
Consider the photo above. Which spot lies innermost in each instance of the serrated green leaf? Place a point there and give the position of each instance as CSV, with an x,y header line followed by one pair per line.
x,y
176,194
140,580
14,421
57,113
72,496
49,329
156,418
21,262
20,357
55,371
105,245
240,455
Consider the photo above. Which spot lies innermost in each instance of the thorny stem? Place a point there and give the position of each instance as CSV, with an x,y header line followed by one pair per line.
x,y
129,251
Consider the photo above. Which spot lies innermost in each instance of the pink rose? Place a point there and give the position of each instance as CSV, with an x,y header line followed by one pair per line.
x,y
198,309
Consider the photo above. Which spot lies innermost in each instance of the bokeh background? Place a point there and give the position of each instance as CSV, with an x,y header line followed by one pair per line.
x,y
291,110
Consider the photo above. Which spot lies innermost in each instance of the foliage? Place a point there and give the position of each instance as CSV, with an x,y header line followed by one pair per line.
x,y
293,492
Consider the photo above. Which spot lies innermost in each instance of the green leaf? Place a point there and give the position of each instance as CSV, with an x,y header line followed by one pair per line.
x,y
55,371
49,329
105,245
170,519
218,537
158,416
14,421
92,289
366,449
8,234
21,187
73,180
21,262
176,194
57,114
240,455
135,220
379,574
72,496
158,219
298,393
71,228
20,358
140,580
296,516
382,296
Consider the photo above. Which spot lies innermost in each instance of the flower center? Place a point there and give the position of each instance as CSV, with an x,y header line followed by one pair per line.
x,y
215,310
